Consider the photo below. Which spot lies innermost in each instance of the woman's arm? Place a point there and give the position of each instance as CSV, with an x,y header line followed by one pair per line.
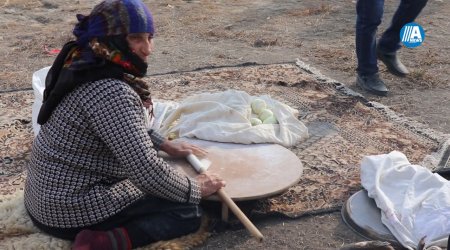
x,y
181,149
209,183
116,116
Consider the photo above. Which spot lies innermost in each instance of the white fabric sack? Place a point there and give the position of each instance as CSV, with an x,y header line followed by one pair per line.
x,y
224,117
161,110
38,83
414,202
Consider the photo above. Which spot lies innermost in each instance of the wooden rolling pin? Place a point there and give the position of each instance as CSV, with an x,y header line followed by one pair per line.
x,y
200,168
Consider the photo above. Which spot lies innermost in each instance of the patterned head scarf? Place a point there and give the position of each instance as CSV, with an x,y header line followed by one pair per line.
x,y
112,18
108,24
100,51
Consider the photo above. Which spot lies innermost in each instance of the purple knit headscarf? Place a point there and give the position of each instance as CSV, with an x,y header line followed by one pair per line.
x,y
114,17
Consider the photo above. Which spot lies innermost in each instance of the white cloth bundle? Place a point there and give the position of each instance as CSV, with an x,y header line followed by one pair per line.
x,y
224,117
414,202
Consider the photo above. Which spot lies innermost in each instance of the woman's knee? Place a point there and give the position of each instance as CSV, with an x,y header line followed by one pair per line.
x,y
164,225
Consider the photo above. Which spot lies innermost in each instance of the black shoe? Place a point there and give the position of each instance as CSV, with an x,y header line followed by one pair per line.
x,y
372,84
392,63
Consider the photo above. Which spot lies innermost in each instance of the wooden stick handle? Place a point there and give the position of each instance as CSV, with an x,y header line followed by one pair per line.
x,y
193,160
239,214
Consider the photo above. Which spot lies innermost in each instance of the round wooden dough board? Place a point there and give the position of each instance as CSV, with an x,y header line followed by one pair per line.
x,y
250,171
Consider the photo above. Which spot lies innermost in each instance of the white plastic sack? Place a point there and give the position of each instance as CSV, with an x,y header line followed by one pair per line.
x,y
224,117
38,83
161,110
414,202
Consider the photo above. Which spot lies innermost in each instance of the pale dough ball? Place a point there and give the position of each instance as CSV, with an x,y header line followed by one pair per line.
x,y
255,121
265,113
258,105
270,120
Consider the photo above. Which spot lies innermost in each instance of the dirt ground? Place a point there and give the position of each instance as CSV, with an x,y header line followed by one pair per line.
x,y
194,34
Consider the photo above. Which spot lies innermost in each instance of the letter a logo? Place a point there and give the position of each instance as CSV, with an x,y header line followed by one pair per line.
x,y
415,34
412,35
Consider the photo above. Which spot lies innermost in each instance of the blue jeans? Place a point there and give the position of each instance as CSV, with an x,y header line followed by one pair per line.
x,y
368,16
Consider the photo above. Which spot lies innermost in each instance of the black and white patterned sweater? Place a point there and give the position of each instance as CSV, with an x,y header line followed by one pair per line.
x,y
94,157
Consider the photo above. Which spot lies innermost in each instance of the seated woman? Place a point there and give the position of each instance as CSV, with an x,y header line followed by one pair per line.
x,y
94,175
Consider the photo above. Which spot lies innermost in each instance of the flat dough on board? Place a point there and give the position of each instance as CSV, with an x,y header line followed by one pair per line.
x,y
251,171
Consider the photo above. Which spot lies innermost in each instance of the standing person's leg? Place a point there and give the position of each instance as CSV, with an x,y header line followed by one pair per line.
x,y
368,17
389,42
369,14
407,12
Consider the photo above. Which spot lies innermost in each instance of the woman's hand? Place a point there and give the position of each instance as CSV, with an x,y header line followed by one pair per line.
x,y
209,183
181,149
